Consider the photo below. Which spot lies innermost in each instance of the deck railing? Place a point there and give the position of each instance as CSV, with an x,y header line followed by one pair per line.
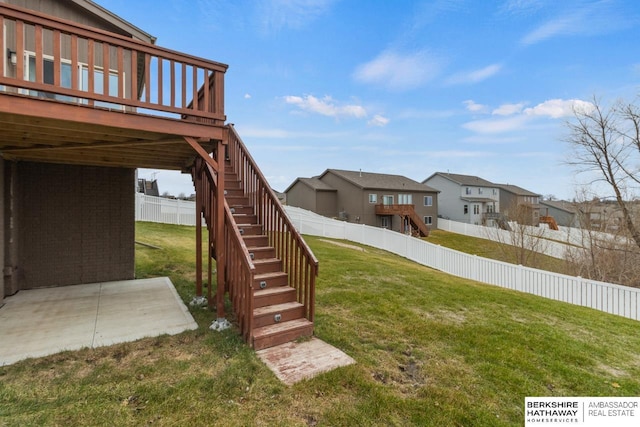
x,y
239,270
58,59
298,260
382,209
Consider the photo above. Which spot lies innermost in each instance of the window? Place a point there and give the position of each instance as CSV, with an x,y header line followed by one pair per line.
x,y
467,190
428,220
495,191
384,221
479,190
387,200
373,198
428,200
98,84
476,209
466,209
405,199
47,74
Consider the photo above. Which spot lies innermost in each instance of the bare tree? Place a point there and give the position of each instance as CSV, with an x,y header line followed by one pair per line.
x,y
606,141
606,256
521,242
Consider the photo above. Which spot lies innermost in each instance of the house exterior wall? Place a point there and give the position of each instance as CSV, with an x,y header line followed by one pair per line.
x,y
72,12
450,205
76,224
561,216
326,203
354,205
349,200
2,231
65,10
530,213
301,196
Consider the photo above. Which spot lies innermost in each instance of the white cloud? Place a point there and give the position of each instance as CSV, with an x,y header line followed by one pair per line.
x,y
558,26
398,71
514,118
475,107
475,76
496,125
598,17
412,114
277,14
379,121
326,106
508,109
275,133
559,108
247,96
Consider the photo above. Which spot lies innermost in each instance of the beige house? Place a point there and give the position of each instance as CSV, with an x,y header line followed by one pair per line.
x,y
381,200
519,204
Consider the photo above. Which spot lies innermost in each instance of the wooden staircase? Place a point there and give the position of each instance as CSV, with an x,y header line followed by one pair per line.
x,y
549,220
277,315
405,211
262,262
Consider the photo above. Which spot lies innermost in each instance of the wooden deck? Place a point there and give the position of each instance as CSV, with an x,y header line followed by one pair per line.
x,y
62,110
404,211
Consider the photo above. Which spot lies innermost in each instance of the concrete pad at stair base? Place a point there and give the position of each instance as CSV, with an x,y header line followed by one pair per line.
x,y
295,361
40,322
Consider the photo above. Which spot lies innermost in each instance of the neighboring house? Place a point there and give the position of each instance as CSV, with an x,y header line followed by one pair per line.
x,y
563,212
520,205
148,188
382,200
314,195
280,196
599,215
465,198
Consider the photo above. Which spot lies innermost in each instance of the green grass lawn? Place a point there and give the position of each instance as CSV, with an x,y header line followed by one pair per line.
x,y
431,350
493,250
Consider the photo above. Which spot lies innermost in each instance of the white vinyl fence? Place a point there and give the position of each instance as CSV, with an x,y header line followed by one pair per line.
x,y
620,300
168,211
615,299
549,242
556,244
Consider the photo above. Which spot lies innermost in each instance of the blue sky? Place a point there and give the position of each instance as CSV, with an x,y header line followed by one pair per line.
x,y
405,87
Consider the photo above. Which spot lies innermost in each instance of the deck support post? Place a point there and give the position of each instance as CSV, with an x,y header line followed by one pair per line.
x,y
198,182
220,226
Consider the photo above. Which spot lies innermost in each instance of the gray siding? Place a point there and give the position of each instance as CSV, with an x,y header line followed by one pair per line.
x,y
450,205
301,196
76,224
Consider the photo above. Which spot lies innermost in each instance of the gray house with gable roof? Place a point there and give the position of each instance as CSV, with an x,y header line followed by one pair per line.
x,y
465,198
381,200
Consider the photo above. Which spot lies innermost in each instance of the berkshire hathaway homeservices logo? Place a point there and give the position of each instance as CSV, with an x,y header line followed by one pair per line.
x,y
582,411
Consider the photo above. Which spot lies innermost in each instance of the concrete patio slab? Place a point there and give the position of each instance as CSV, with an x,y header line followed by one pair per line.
x,y
295,361
40,322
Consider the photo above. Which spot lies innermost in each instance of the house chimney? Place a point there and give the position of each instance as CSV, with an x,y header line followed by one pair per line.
x,y
360,173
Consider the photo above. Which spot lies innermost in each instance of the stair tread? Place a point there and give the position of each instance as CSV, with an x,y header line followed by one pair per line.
x,y
270,275
276,328
273,291
266,260
275,308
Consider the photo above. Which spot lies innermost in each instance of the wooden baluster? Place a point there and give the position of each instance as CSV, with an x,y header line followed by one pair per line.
x,y
106,69
160,81
57,55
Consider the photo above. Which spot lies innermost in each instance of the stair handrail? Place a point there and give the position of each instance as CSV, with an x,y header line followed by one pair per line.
x,y
298,260
239,268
